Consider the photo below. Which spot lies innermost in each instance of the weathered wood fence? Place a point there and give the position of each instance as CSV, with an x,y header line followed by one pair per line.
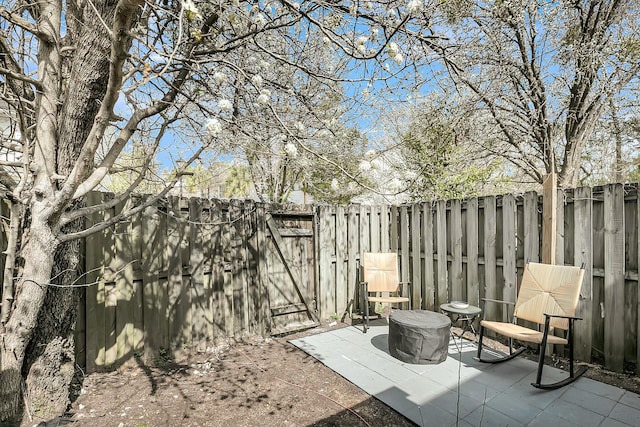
x,y
470,249
186,274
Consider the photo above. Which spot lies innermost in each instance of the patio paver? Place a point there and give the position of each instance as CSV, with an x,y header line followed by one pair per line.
x,y
485,394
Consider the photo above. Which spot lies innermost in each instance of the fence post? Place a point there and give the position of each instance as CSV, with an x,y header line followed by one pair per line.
x,y
549,220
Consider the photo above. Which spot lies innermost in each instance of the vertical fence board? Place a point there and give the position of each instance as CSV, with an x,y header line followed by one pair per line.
x,y
473,294
630,286
133,269
393,225
531,227
403,222
509,250
417,298
375,229
582,211
261,236
428,281
230,324
442,293
199,302
236,259
218,300
456,282
95,291
614,277
154,294
550,221
490,290
354,231
206,230
365,230
385,232
564,229
252,262
326,248
124,289
598,254
111,296
179,293
341,271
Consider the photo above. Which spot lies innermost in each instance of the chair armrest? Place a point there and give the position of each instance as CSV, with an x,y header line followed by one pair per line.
x,y
498,301
560,316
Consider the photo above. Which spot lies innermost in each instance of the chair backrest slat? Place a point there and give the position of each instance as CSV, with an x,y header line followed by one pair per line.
x,y
552,289
380,271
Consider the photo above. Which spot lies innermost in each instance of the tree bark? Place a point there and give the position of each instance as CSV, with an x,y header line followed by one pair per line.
x,y
50,363
31,291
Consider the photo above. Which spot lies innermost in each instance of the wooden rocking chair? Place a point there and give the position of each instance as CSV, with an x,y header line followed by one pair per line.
x,y
548,296
380,275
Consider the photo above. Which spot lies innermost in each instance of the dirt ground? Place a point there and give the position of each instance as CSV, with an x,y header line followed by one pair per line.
x,y
257,382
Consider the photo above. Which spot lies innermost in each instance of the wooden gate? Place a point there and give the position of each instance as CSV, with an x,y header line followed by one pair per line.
x,y
291,270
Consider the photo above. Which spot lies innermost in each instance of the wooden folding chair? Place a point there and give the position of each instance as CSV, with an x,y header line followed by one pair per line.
x,y
548,296
380,278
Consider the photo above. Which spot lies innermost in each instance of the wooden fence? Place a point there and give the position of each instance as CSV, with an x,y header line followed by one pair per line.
x,y
186,274
470,249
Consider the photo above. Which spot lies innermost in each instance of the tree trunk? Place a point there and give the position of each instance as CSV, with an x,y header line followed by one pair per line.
x,y
31,290
50,363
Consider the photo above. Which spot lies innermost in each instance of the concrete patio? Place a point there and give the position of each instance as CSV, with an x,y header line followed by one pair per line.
x,y
463,392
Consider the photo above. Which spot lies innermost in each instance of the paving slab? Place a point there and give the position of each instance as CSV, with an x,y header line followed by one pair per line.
x,y
464,392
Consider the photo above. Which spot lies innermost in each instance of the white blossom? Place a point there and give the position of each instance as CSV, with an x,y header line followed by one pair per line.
x,y
291,149
190,9
393,49
324,134
414,6
399,58
410,175
225,105
264,97
335,185
299,126
219,77
377,163
295,5
364,166
259,19
360,44
257,80
213,127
